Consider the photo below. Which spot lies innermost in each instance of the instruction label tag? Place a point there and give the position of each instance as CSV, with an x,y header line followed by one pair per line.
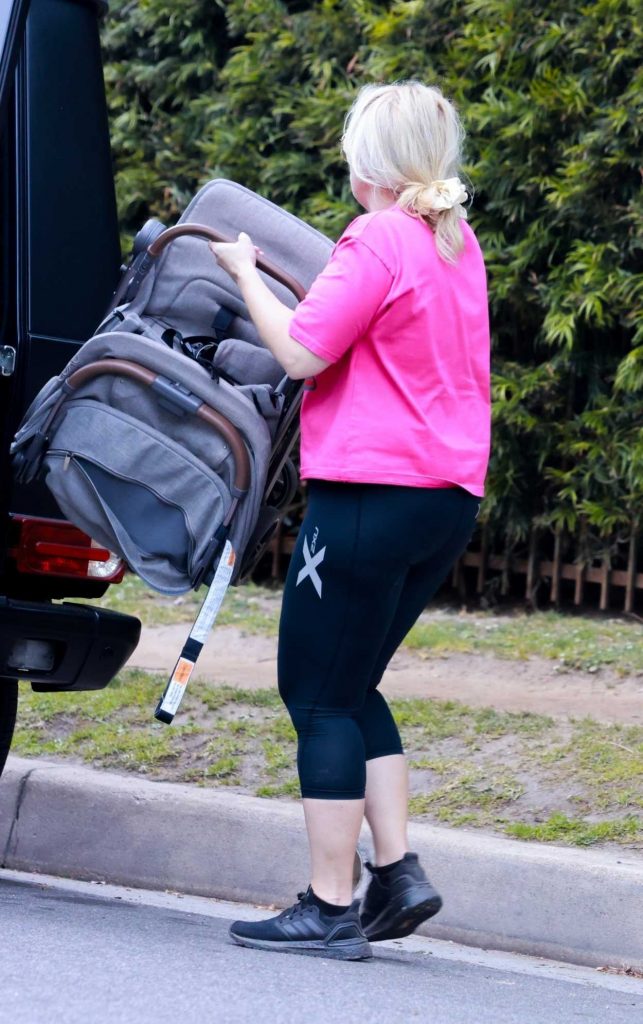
x,y
204,622
176,686
210,607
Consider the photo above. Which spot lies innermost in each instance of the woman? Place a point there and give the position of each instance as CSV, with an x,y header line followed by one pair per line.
x,y
394,446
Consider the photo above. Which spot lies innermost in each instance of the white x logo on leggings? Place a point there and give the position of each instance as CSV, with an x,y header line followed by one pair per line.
x,y
310,568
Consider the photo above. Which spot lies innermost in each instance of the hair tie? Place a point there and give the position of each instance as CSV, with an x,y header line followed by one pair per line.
x,y
445,194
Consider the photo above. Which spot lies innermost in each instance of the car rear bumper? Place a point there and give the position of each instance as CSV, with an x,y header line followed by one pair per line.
x,y
64,646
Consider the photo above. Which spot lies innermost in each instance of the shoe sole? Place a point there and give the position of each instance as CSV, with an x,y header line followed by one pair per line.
x,y
401,919
343,949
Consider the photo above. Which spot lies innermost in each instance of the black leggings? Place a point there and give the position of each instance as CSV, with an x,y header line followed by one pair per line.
x,y
368,559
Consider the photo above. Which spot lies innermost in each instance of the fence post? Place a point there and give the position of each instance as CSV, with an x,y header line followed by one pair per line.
x,y
554,593
506,571
579,583
631,572
605,584
530,584
482,565
458,581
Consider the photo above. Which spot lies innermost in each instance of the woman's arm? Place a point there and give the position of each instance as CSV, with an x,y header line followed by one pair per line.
x,y
270,316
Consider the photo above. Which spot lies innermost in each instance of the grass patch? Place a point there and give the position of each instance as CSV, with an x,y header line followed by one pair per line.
x,y
439,765
215,697
33,743
520,774
575,641
119,746
277,759
489,722
469,788
253,609
436,719
609,755
224,768
290,789
605,762
107,745
559,828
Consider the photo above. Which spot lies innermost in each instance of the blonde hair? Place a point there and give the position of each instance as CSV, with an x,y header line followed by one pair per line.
x,y
407,138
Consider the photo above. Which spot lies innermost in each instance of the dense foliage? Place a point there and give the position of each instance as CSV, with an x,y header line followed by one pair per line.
x,y
551,95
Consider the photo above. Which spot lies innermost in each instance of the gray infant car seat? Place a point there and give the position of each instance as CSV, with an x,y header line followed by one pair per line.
x,y
167,436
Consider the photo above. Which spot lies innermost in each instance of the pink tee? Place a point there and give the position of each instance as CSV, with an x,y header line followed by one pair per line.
x,y
406,399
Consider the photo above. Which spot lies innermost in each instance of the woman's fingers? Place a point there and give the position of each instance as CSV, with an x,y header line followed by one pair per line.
x,y
234,256
243,246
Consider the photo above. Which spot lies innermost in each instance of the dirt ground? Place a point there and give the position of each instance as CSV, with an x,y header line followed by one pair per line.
x,y
569,771
538,685
463,778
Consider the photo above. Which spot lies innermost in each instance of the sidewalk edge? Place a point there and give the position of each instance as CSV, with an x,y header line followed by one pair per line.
x,y
579,906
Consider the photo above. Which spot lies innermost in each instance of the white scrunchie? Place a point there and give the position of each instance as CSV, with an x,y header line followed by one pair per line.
x,y
444,195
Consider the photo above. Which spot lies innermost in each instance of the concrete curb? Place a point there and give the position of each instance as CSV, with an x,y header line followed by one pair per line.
x,y
581,906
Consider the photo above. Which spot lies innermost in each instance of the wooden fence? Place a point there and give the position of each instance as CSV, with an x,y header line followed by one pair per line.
x,y
532,574
540,573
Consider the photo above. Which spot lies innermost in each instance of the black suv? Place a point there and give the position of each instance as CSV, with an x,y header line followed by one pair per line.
x,y
59,266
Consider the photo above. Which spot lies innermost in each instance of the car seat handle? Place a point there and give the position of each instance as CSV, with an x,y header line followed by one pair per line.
x,y
203,231
230,433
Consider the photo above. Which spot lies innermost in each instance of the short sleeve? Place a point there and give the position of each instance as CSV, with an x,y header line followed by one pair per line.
x,y
342,301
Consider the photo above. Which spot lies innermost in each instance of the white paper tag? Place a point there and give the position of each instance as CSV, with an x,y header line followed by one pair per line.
x,y
210,608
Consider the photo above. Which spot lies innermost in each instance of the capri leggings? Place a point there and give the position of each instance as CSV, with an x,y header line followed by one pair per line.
x,y
368,559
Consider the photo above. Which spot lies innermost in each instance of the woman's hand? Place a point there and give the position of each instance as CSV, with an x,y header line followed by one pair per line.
x,y
235,257
269,315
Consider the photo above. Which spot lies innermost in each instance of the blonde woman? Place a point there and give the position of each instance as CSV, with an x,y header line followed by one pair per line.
x,y
395,443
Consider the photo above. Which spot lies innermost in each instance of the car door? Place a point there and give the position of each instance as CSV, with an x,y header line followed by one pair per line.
x,y
59,242
59,265
13,16
67,243
12,22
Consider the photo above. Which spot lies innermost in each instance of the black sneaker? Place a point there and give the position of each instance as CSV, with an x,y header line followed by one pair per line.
x,y
398,900
305,928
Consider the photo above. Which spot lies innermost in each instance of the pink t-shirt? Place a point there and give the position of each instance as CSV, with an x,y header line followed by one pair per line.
x,y
406,399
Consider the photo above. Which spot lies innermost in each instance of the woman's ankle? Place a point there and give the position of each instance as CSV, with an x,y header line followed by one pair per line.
x,y
389,854
328,906
337,895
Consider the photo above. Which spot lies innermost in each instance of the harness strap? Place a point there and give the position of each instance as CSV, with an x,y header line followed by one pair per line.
x,y
222,320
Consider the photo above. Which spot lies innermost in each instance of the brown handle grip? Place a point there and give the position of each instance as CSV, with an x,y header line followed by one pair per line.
x,y
202,231
141,373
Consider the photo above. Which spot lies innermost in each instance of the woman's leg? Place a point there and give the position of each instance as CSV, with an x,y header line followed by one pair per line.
x,y
387,776
386,779
342,597
387,797
351,587
337,605
333,830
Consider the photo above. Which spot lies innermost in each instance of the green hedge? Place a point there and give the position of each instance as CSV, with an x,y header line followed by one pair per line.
x,y
550,94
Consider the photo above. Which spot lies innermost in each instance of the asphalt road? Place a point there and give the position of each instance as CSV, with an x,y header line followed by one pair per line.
x,y
83,953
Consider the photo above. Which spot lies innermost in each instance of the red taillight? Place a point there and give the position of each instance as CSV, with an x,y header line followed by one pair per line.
x,y
53,548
